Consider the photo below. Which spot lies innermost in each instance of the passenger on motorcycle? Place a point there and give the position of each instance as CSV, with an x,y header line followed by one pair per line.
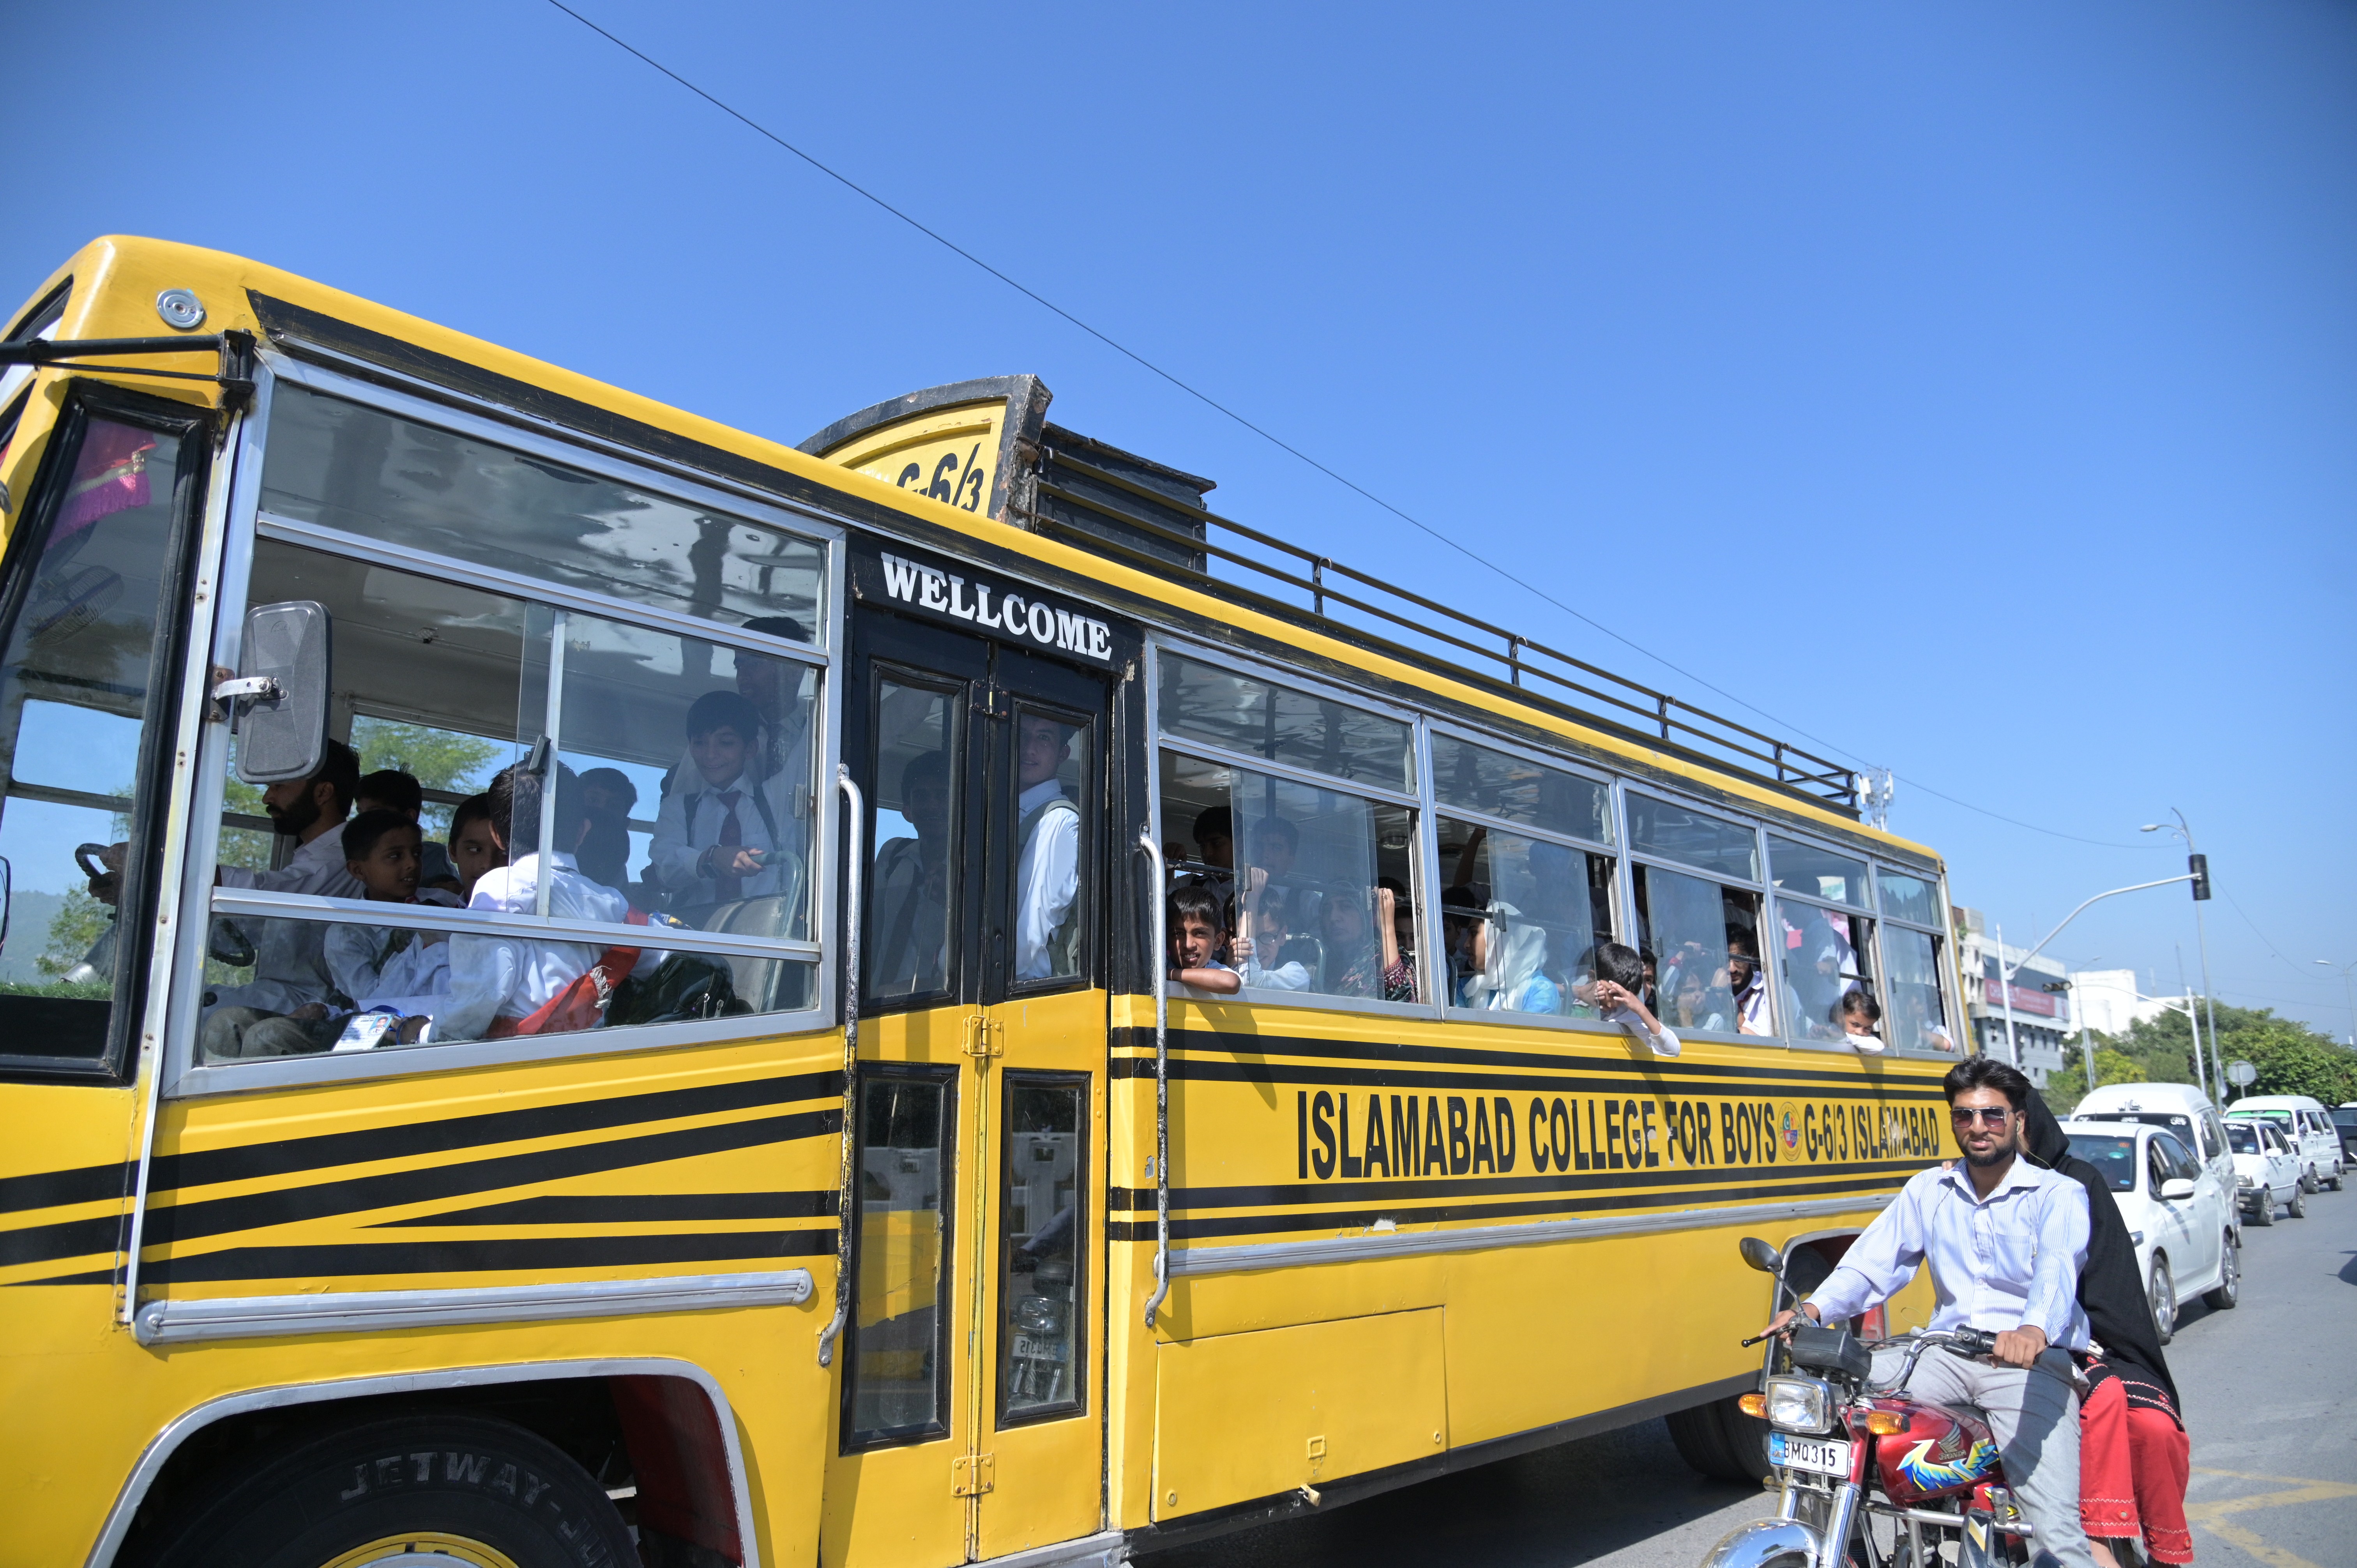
x,y
2006,1240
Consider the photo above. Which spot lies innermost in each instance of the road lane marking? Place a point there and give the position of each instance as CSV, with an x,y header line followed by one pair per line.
x,y
2211,1516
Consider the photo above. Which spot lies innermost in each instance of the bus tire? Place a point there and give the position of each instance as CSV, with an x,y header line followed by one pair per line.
x,y
1719,1441
470,1489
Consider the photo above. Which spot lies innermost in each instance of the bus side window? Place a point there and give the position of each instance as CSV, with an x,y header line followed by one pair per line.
x,y
1304,876
678,800
81,698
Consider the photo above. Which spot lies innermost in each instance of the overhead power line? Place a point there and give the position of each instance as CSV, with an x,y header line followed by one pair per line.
x,y
1280,443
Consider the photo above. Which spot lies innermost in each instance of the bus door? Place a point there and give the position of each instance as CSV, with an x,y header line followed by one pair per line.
x,y
970,1424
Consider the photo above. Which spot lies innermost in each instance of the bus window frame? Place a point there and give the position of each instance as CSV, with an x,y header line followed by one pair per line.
x,y
1624,902
1418,801
246,524
1631,858
1875,984
174,693
1953,1022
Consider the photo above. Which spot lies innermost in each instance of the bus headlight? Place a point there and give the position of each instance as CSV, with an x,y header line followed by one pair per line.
x,y
1800,1404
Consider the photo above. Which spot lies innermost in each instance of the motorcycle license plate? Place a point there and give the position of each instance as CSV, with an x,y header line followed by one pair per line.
x,y
1826,1456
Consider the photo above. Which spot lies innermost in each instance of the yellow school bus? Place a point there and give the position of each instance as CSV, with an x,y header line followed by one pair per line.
x,y
780,1139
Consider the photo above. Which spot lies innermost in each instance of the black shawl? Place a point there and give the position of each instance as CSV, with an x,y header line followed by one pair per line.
x,y
2110,1289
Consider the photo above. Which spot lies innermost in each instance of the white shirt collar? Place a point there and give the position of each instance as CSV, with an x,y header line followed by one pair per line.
x,y
2022,1174
1040,794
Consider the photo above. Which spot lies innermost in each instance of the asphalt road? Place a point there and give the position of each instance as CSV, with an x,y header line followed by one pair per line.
x,y
2270,1392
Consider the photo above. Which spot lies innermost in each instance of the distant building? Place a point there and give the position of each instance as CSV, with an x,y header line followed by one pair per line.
x,y
2109,1002
2041,1017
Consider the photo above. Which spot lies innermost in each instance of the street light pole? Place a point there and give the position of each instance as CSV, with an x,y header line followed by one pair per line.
x,y
2005,974
2202,935
2352,988
2005,989
2079,1016
2193,1021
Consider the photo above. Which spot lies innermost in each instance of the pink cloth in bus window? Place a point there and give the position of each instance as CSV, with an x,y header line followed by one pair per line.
x,y
111,476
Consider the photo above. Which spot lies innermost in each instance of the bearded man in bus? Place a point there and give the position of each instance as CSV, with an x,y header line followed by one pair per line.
x,y
2006,1240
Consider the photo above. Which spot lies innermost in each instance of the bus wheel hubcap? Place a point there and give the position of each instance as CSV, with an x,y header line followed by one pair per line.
x,y
422,1548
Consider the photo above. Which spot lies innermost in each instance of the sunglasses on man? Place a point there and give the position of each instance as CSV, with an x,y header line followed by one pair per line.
x,y
1966,1115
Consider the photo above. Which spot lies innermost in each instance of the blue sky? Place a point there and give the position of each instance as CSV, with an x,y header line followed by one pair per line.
x,y
1969,385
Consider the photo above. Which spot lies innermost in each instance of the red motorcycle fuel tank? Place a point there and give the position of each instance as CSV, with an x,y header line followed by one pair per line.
x,y
1939,1452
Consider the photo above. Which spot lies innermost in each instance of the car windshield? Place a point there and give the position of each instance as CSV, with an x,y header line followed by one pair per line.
x,y
2241,1140
2181,1125
2112,1154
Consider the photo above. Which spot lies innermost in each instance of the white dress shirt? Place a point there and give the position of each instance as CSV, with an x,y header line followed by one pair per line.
x,y
290,965
512,975
1046,878
688,822
1752,1006
2009,1261
376,963
1661,1040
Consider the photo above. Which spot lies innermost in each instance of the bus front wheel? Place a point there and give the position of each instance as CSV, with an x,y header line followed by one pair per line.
x,y
470,1490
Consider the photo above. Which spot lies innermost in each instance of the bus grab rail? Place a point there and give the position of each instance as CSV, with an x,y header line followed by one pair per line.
x,y
1152,848
854,886
1673,719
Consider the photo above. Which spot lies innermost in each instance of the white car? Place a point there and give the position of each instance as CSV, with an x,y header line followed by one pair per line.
x,y
2307,1126
2181,1108
2179,1215
2266,1171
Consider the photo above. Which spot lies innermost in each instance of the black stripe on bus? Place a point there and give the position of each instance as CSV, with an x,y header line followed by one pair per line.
x,y
1220,1043
636,1208
394,1189
454,1135
250,1211
240,1264
66,1239
1735,1199
1133,1199
53,1189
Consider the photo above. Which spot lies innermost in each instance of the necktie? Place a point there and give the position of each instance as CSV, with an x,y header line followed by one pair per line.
x,y
732,838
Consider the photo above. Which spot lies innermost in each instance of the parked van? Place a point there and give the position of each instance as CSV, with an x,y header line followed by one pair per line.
x,y
2181,1108
2307,1127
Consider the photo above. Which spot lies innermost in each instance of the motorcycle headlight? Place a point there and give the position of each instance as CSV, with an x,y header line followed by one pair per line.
x,y
1800,1404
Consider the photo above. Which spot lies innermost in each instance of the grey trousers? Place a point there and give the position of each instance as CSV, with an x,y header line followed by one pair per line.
x,y
2034,1416
231,1033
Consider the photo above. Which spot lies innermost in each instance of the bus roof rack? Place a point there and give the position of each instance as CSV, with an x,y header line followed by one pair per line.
x,y
1058,483
1535,670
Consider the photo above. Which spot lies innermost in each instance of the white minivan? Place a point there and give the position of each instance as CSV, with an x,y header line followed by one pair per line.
x,y
2181,1108
2307,1126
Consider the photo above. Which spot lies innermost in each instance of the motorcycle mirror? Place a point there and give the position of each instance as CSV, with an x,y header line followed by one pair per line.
x,y
1760,1255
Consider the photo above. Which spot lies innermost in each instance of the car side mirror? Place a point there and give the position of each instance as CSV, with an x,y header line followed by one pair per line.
x,y
2175,1188
279,704
1759,1254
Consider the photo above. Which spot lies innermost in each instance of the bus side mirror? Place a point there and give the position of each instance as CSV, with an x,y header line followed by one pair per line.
x,y
1759,1254
279,701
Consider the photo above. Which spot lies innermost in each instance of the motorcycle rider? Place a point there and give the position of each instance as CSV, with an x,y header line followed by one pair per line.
x,y
2006,1240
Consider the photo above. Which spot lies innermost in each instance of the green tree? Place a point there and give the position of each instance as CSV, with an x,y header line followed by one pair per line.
x,y
437,758
2065,1088
2291,1058
74,930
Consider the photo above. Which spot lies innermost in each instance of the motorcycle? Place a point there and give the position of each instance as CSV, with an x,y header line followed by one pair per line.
x,y
1865,1475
